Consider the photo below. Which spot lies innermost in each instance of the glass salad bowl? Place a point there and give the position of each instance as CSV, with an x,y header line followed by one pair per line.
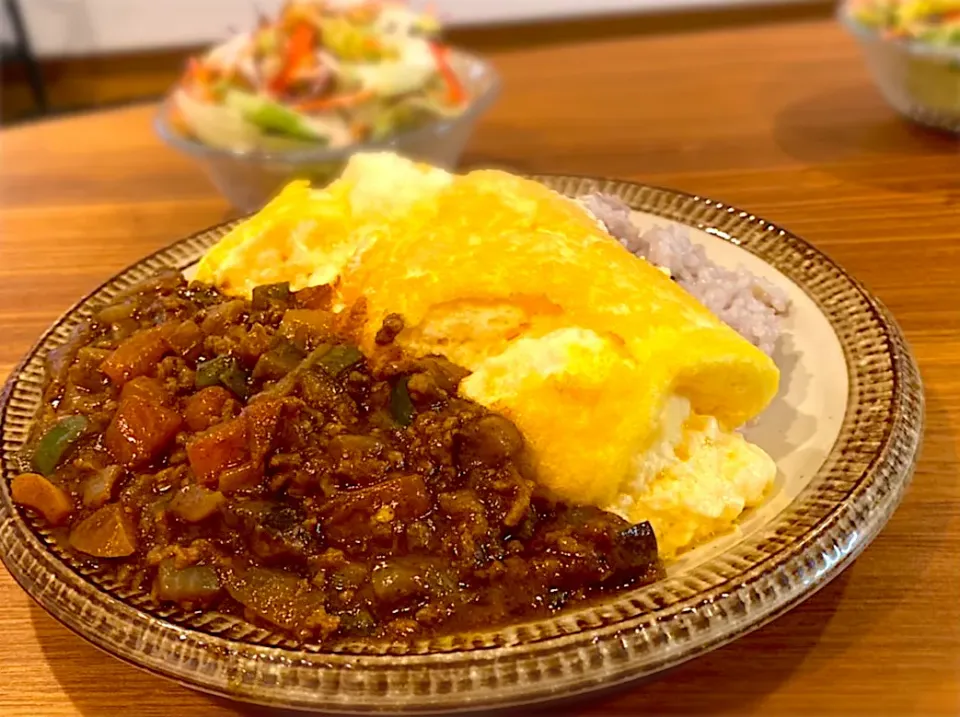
x,y
920,80
248,179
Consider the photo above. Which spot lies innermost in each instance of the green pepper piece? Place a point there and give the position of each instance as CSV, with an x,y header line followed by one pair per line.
x,y
278,361
225,371
57,442
263,295
208,372
340,358
401,407
235,379
269,115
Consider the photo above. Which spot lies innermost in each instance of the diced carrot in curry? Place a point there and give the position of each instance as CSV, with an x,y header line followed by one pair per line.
x,y
243,440
108,533
34,491
221,447
149,389
137,355
185,338
141,430
254,343
207,407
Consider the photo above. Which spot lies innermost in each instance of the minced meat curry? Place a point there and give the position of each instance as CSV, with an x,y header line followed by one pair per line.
x,y
244,457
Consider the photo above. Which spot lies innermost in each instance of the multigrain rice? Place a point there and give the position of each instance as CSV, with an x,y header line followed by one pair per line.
x,y
749,304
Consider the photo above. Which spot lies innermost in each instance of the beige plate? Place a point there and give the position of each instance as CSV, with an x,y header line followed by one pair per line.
x,y
845,432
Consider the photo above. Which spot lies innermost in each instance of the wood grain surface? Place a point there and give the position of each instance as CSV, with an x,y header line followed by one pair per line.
x,y
781,120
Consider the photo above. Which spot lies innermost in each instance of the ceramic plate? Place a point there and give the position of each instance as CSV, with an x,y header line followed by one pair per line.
x,y
845,432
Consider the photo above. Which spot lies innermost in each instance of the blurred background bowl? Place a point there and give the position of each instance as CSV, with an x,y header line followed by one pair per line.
x,y
920,81
249,179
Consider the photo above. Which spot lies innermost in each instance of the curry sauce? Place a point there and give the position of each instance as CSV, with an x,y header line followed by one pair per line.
x,y
244,457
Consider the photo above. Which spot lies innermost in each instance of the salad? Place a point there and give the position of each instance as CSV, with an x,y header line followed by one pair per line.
x,y
323,73
933,22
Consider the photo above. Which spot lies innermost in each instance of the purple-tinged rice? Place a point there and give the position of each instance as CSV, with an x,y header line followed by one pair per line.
x,y
749,304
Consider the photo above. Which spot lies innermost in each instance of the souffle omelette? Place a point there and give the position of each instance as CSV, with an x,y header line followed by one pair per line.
x,y
627,390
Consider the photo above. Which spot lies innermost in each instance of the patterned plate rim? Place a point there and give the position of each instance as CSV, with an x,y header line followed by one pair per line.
x,y
796,553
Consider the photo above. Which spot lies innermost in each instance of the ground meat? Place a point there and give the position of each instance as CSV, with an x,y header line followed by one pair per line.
x,y
392,325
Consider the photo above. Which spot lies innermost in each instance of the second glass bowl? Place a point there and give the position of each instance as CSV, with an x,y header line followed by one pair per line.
x,y
920,81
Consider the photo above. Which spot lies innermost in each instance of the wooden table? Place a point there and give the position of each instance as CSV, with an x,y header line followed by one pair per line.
x,y
781,120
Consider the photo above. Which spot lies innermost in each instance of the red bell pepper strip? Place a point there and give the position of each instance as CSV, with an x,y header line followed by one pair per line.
x,y
455,92
299,51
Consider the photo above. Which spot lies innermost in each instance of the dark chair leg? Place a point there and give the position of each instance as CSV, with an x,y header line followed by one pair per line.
x,y
25,54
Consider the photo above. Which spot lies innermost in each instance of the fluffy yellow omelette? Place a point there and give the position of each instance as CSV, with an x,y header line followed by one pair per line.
x,y
627,390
